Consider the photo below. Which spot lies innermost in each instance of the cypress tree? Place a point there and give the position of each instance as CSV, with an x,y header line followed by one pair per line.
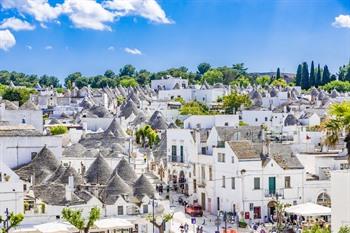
x,y
318,76
298,76
312,75
305,78
326,76
333,77
278,75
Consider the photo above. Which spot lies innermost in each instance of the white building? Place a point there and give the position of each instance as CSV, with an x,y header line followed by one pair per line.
x,y
340,183
19,116
168,83
210,121
11,191
20,143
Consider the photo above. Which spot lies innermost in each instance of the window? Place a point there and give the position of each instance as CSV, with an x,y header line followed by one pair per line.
x,y
210,173
257,212
226,123
223,182
233,183
221,157
256,182
181,154
266,119
145,209
203,172
233,159
194,169
204,150
287,184
120,210
256,119
173,153
23,121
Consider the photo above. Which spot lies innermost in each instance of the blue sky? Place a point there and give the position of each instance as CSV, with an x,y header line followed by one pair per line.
x,y
60,37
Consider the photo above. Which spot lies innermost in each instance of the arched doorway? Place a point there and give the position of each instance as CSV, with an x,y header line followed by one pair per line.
x,y
324,199
271,208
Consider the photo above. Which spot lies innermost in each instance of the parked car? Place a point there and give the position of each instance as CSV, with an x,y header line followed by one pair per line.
x,y
194,210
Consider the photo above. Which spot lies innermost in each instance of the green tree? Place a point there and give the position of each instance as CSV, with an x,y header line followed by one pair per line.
x,y
316,228
58,129
240,68
110,74
194,108
71,79
146,136
75,218
279,83
234,101
143,77
12,221
159,221
17,94
229,73
344,229
278,73
318,81
326,75
213,76
312,75
340,86
127,70
338,122
298,75
305,78
47,81
202,68
81,82
128,82
242,81
344,73
264,80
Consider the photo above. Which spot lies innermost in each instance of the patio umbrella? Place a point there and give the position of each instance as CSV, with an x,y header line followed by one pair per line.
x,y
309,209
55,227
113,223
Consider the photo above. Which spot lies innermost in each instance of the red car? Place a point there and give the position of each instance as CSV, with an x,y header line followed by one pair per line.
x,y
194,210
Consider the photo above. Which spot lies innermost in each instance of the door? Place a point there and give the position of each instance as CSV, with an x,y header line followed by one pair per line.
x,y
272,185
203,200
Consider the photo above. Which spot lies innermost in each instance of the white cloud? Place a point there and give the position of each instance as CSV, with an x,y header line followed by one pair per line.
x,y
342,21
88,14
133,51
111,48
16,24
29,47
148,9
48,47
7,40
40,9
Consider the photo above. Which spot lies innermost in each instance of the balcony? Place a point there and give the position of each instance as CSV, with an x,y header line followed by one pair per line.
x,y
277,193
176,159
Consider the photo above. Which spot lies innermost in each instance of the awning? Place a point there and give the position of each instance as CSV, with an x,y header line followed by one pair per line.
x,y
113,223
309,209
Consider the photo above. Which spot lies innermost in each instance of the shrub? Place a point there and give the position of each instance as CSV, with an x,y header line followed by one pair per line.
x,y
59,129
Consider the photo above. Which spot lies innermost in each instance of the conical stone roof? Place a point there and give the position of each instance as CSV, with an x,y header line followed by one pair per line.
x,y
99,171
116,187
125,171
43,165
116,129
143,187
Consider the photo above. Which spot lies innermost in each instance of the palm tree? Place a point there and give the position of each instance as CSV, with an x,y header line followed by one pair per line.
x,y
338,123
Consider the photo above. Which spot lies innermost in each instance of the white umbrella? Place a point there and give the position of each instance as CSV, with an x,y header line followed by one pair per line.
x,y
309,209
113,223
55,227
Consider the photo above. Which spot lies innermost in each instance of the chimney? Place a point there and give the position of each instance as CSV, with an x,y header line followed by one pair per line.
x,y
69,188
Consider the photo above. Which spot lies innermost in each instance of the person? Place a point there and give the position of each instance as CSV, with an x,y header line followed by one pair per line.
x,y
186,227
145,158
181,228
